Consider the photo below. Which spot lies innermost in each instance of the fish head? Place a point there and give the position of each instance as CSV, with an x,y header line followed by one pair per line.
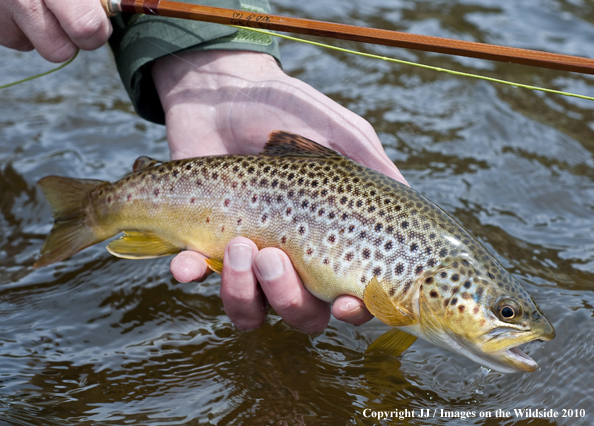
x,y
481,313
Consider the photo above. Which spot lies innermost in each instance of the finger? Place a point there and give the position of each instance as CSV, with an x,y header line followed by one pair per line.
x,y
286,293
244,302
351,310
84,21
42,29
11,35
189,266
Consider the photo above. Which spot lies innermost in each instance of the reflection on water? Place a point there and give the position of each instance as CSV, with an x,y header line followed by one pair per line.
x,y
97,340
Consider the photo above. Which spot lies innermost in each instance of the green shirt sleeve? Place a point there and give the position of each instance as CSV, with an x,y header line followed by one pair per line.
x,y
138,40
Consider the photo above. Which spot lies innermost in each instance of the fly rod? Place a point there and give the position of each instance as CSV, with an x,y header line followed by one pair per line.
x,y
270,22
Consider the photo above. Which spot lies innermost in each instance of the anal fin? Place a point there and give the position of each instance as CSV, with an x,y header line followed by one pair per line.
x,y
378,302
141,245
393,342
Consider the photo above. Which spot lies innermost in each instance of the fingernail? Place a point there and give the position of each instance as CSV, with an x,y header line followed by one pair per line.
x,y
240,257
269,264
351,310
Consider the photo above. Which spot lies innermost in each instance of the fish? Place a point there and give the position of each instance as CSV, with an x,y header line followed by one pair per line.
x,y
348,230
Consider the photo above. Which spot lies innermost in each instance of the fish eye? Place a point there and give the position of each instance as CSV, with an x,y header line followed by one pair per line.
x,y
509,310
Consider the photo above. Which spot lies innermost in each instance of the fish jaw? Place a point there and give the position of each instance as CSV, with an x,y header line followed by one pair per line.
x,y
501,349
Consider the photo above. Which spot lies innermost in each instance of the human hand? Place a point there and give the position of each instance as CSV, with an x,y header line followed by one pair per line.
x,y
56,28
227,102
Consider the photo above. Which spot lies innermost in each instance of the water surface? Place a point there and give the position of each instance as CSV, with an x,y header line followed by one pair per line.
x,y
102,341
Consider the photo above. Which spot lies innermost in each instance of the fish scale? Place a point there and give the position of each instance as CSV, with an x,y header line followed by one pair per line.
x,y
346,228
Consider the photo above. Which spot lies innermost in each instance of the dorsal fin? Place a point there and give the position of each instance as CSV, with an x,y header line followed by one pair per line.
x,y
281,143
144,162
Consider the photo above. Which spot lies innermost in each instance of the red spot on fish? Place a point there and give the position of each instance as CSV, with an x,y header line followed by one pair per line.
x,y
284,239
222,229
227,201
156,192
310,251
239,221
129,197
109,199
192,201
326,261
208,220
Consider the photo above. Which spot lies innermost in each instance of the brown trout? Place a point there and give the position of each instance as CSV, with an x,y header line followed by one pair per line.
x,y
346,228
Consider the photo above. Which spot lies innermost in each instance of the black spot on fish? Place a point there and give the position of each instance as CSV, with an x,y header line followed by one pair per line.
x,y
349,256
366,253
467,284
493,277
371,209
443,252
378,227
344,216
332,238
404,224
390,229
304,204
414,247
377,271
302,230
156,192
434,294
454,301
443,274
388,245
455,277
321,212
461,308
310,251
399,269
429,280
351,228
418,270
192,201
362,235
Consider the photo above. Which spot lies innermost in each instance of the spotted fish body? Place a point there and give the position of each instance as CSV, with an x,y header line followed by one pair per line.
x,y
343,226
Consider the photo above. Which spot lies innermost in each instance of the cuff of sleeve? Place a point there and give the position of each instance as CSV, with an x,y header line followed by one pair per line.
x,y
138,40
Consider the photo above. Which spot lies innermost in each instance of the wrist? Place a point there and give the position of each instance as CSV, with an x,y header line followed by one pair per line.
x,y
190,76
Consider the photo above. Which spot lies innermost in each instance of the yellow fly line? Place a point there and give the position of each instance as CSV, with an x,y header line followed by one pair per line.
x,y
367,55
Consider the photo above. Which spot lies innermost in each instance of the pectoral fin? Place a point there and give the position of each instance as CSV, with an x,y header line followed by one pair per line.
x,y
139,245
216,265
393,342
378,302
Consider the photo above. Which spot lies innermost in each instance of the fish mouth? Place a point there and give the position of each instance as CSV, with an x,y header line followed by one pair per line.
x,y
509,358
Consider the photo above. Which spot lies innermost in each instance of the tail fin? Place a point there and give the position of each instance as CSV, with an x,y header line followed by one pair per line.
x,y
71,232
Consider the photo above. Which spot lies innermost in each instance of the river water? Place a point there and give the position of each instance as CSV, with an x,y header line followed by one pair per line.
x,y
97,340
